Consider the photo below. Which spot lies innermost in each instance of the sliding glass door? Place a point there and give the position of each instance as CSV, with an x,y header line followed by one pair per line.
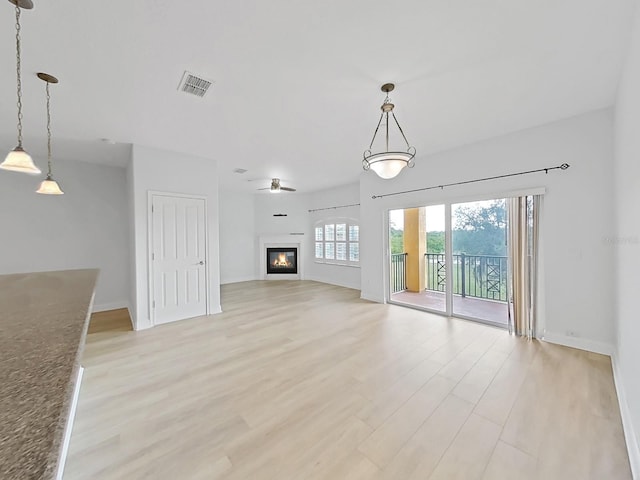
x,y
418,266
451,259
479,260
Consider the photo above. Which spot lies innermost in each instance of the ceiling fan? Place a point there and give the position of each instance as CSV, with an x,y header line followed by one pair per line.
x,y
276,187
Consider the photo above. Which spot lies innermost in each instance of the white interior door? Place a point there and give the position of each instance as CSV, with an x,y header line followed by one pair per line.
x,y
178,258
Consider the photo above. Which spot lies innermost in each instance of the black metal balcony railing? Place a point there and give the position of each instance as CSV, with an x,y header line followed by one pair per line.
x,y
398,272
479,276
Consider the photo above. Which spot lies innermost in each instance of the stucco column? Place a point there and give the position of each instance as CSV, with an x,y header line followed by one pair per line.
x,y
415,246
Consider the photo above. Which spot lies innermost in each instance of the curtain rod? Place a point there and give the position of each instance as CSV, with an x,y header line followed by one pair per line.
x,y
564,166
333,208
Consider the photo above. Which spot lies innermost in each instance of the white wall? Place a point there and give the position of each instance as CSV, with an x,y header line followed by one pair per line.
x,y
85,228
294,205
627,244
292,228
245,217
238,245
577,274
345,276
300,221
159,170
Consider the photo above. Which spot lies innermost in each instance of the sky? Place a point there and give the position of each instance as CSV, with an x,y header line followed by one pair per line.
x,y
434,215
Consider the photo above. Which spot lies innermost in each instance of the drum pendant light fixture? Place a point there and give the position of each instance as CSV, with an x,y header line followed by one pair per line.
x,y
49,186
388,164
18,160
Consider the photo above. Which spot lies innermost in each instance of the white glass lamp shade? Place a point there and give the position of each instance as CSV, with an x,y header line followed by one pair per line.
x,y
49,187
389,164
19,161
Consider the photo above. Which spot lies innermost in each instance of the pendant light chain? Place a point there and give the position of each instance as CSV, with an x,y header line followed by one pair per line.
x,y
49,186
386,101
388,164
19,76
48,131
18,160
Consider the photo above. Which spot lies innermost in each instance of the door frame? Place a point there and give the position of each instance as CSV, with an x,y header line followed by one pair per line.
x,y
150,271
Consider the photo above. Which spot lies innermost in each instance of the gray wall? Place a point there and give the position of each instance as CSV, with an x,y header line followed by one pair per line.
x,y
626,241
85,228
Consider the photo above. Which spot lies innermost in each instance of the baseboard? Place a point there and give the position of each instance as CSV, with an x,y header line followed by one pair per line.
x,y
627,426
371,298
132,319
239,280
139,328
216,309
579,343
104,307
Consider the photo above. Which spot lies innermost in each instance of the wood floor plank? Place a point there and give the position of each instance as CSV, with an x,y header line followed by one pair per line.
x,y
469,453
303,380
386,402
356,467
498,399
473,385
507,463
421,454
390,437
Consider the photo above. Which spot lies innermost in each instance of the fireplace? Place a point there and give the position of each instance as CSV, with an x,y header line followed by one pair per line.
x,y
282,260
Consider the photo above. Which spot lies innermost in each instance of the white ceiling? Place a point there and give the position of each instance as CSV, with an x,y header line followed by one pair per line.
x,y
297,83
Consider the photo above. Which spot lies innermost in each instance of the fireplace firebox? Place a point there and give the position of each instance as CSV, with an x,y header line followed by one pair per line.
x,y
282,260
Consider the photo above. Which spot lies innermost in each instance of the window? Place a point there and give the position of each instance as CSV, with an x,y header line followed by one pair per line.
x,y
337,241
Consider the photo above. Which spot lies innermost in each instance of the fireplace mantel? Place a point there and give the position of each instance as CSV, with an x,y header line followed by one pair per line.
x,y
271,241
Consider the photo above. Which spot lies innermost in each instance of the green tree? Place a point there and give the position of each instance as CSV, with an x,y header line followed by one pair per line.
x,y
435,242
396,239
480,229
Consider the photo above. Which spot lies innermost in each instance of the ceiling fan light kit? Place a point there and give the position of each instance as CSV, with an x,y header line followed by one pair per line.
x,y
388,164
277,188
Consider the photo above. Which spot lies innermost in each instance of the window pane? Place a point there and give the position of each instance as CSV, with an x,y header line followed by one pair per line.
x,y
318,234
329,251
329,231
354,233
341,251
341,232
354,252
319,250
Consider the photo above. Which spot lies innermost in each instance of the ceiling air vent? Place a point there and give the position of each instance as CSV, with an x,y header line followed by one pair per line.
x,y
194,85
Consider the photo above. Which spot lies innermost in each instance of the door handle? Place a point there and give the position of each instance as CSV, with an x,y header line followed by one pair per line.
x,y
199,263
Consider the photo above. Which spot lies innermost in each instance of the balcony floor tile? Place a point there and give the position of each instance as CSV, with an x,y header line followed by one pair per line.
x,y
481,309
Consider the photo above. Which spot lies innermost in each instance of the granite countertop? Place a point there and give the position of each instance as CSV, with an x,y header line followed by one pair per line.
x,y
43,324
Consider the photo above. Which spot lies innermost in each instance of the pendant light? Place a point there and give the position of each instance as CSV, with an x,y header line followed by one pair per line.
x,y
388,164
49,186
18,160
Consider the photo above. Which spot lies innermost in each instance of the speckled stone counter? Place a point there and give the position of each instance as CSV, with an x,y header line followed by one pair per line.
x,y
43,323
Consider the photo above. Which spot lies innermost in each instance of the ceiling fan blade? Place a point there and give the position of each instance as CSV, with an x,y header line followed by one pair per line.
x,y
267,188
288,189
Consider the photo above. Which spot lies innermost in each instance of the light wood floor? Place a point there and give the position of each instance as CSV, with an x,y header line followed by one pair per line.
x,y
302,380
